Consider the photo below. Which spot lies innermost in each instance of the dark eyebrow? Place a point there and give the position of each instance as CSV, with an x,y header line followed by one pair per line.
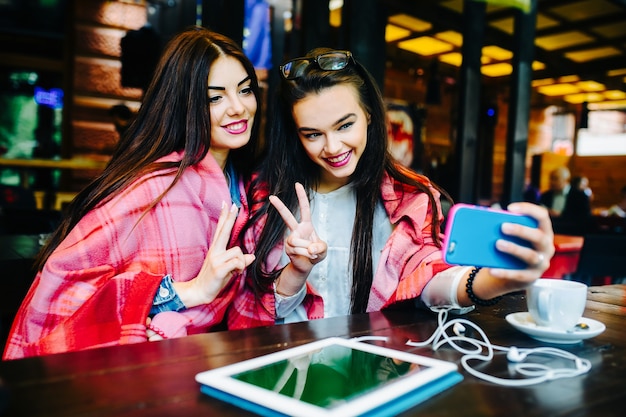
x,y
338,122
223,88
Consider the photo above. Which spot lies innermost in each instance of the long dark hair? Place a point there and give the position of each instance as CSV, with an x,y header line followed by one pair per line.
x,y
286,163
174,116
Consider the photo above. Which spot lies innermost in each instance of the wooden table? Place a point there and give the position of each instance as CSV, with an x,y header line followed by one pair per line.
x,y
608,299
157,378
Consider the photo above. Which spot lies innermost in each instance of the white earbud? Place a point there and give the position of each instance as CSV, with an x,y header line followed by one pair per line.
x,y
458,329
514,355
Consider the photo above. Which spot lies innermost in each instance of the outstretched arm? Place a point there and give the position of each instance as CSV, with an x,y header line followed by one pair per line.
x,y
490,282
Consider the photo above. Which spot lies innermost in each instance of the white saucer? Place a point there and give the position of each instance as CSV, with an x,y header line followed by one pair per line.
x,y
524,322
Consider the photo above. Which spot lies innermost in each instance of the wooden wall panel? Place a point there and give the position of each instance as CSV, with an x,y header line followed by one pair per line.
x,y
101,78
108,13
94,137
92,40
99,27
607,175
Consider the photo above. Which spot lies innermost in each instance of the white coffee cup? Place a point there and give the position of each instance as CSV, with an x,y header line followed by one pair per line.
x,y
555,303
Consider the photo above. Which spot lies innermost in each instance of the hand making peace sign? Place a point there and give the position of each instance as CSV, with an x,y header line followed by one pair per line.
x,y
303,246
219,264
218,268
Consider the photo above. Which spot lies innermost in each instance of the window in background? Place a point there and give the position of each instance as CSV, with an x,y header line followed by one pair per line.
x,y
563,128
605,134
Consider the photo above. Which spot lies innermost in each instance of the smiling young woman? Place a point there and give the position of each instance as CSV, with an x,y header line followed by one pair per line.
x,y
360,233
149,241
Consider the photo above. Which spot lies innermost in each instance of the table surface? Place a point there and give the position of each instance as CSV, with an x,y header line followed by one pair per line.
x,y
157,378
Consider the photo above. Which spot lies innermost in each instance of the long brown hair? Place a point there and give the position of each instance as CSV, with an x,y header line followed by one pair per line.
x,y
174,116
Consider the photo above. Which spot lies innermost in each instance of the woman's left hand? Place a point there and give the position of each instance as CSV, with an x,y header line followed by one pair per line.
x,y
151,334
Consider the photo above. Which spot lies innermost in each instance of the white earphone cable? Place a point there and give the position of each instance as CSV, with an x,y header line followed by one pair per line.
x,y
535,373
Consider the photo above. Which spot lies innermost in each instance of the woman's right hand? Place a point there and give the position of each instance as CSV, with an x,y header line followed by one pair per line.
x,y
303,246
219,264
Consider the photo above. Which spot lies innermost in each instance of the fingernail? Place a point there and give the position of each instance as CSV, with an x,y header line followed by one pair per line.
x,y
223,204
495,272
233,208
503,244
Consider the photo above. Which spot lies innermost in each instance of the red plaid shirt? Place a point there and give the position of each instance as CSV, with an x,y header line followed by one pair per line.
x,y
409,260
97,288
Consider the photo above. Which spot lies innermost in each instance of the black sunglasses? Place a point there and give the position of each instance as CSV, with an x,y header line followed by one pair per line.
x,y
328,61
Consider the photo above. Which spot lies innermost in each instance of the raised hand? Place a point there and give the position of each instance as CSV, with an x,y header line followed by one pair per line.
x,y
219,264
542,239
495,281
303,246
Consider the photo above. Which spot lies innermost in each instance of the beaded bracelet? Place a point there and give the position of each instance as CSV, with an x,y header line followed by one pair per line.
x,y
470,291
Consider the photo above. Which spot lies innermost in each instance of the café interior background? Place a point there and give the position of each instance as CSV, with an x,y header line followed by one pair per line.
x,y
61,65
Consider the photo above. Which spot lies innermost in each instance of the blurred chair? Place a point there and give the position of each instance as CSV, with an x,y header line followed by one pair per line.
x,y
602,259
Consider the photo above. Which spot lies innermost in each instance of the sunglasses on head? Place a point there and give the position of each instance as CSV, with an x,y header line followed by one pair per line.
x,y
328,61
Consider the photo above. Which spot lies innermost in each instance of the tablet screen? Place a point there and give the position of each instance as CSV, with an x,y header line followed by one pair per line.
x,y
330,376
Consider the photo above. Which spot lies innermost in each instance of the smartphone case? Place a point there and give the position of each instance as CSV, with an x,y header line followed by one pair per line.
x,y
471,234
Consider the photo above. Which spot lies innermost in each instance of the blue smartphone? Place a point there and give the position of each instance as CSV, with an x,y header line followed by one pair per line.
x,y
471,234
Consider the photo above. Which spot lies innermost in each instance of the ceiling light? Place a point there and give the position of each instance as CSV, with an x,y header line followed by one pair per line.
x,y
616,72
393,33
451,36
583,97
456,59
425,46
452,58
497,70
558,89
507,25
591,86
614,95
562,40
591,54
569,78
544,81
611,31
497,53
583,10
456,5
545,22
538,66
410,22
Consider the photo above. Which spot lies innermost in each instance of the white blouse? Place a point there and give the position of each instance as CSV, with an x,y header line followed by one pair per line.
x,y
333,216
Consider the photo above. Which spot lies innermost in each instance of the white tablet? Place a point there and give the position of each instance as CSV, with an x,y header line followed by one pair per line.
x,y
330,377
